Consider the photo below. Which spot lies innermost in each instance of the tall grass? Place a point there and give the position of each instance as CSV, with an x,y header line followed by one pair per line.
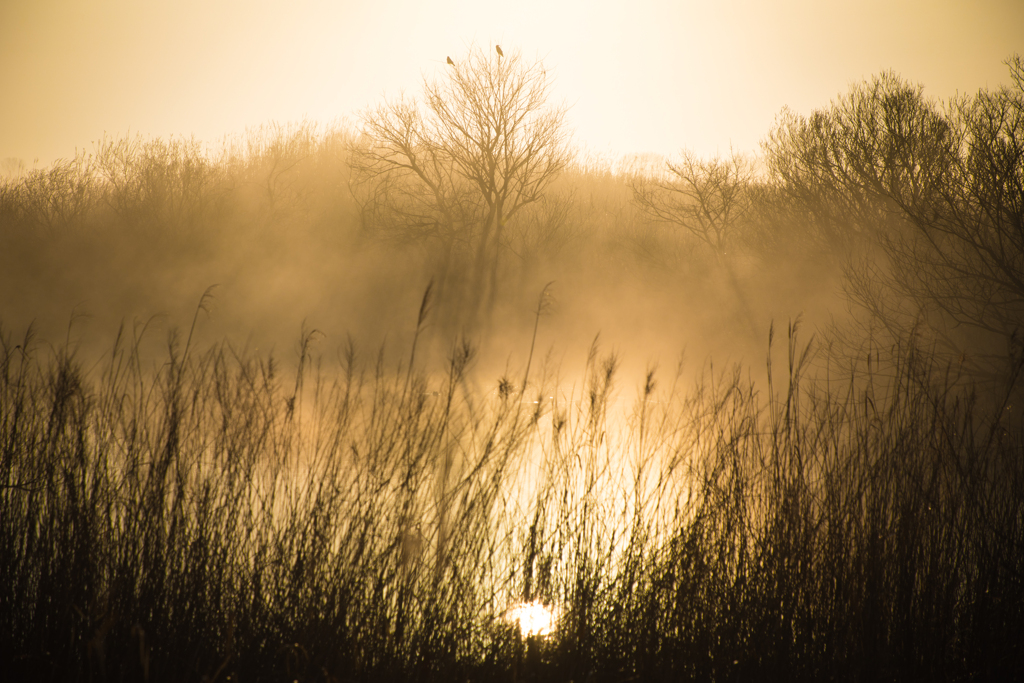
x,y
209,517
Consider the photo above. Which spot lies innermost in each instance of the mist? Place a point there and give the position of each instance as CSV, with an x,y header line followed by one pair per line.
x,y
346,400
269,221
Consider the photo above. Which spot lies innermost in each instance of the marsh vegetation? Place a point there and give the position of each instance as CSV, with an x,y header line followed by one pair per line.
x,y
839,499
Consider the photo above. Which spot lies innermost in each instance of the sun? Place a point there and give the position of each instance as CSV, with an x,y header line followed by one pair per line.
x,y
534,618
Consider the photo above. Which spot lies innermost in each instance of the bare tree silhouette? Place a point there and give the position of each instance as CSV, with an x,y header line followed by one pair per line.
x,y
706,197
938,188
448,171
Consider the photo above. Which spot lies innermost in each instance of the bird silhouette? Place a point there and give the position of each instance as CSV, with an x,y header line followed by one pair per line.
x,y
451,62
498,48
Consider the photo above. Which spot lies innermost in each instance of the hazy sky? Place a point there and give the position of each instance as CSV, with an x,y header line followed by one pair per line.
x,y
640,75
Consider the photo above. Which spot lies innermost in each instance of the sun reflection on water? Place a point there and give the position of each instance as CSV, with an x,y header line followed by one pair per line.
x,y
534,618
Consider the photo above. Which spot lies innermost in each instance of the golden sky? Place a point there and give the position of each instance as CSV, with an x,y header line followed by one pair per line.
x,y
640,76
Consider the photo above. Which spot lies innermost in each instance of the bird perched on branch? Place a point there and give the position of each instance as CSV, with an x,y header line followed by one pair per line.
x,y
498,48
451,62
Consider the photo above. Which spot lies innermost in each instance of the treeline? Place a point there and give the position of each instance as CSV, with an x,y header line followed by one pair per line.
x,y
181,185
917,203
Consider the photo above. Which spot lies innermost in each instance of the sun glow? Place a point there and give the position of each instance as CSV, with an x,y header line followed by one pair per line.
x,y
534,618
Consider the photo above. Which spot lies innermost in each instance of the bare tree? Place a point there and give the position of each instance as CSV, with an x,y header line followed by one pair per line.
x,y
843,164
706,197
939,189
966,251
449,170
709,198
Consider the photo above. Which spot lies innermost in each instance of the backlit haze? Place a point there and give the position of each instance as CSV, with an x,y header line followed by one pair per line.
x,y
643,76
302,380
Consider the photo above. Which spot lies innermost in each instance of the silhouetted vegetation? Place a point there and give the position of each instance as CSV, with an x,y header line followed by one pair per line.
x,y
935,193
452,172
206,511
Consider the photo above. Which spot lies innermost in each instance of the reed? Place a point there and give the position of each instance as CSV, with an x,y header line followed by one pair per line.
x,y
208,517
